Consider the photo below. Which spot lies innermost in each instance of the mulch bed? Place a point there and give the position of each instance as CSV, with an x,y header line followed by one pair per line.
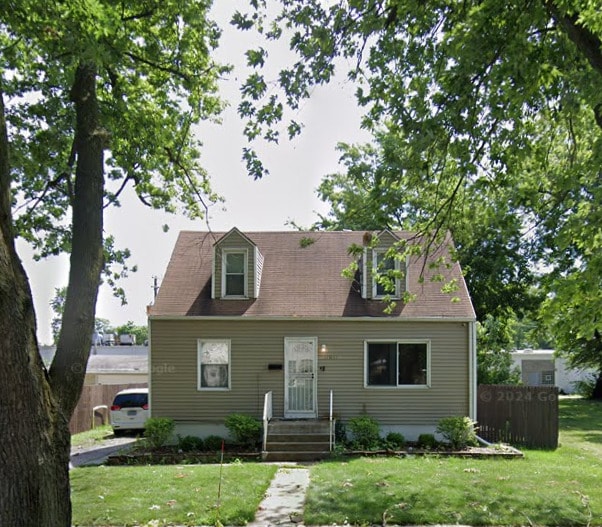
x,y
172,456
502,451
179,458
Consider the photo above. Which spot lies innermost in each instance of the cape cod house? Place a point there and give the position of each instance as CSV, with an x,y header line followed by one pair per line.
x,y
265,323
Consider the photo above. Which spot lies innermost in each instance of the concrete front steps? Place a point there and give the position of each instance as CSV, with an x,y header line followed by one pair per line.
x,y
297,440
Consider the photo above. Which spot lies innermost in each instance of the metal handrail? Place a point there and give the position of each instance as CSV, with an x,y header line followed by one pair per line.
x,y
267,416
331,421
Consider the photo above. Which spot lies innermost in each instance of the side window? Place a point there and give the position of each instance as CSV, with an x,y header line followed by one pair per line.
x,y
213,364
234,273
397,364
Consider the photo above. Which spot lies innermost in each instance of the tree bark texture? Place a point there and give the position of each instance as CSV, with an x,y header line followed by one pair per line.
x,y
587,42
36,405
34,435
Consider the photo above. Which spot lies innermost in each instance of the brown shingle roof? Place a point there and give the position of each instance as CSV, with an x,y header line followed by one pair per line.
x,y
301,280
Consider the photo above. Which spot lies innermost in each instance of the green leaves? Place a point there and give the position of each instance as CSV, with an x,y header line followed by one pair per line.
x,y
485,118
156,80
256,58
254,87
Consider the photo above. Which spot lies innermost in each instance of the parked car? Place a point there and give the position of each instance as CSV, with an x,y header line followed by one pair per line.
x,y
129,410
127,339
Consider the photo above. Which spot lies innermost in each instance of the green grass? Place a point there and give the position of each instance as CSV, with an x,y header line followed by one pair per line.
x,y
561,487
182,495
90,437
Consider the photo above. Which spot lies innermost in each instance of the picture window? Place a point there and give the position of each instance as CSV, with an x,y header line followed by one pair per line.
x,y
214,364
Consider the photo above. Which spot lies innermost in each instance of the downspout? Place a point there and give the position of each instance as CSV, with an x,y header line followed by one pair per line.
x,y
150,364
472,370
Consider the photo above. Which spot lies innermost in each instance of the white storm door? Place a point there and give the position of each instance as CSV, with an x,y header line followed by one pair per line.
x,y
300,358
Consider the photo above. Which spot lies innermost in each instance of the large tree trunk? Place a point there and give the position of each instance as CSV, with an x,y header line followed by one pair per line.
x,y
34,436
86,262
35,406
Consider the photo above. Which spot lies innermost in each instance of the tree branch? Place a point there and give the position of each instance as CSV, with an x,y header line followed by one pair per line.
x,y
138,16
173,71
587,42
118,192
174,159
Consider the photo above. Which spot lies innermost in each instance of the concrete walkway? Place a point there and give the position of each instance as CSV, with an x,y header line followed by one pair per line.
x,y
285,497
97,454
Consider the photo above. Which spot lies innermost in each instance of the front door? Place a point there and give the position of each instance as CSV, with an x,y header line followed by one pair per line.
x,y
300,357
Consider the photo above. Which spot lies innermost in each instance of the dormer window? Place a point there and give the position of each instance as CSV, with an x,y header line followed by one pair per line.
x,y
383,267
237,267
385,277
234,277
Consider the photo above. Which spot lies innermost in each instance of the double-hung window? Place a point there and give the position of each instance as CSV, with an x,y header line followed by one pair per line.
x,y
397,363
385,275
214,364
234,273
547,377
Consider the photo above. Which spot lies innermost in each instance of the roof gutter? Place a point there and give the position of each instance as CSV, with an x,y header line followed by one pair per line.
x,y
231,318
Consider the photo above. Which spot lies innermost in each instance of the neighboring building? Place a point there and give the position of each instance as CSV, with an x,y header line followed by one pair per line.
x,y
240,315
111,364
543,368
117,369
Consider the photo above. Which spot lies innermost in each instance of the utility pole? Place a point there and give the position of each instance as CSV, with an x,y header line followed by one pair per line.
x,y
155,287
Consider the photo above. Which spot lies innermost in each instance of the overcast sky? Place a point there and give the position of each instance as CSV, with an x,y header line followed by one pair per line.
x,y
288,193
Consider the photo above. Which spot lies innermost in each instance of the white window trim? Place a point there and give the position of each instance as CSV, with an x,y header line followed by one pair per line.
x,y
398,386
376,253
245,252
200,342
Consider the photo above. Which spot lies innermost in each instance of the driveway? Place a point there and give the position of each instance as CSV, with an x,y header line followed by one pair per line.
x,y
98,453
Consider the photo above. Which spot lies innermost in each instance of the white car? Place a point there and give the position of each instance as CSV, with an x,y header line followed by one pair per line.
x,y
129,410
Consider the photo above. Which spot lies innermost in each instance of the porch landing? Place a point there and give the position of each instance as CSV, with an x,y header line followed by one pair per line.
x,y
297,440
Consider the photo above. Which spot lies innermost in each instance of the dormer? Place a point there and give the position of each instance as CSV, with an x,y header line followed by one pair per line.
x,y
237,266
383,275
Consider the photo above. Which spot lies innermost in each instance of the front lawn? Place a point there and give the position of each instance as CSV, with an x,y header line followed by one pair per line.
x,y
562,487
545,488
180,495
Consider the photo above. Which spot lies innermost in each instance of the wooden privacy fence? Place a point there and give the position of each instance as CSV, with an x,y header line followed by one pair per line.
x,y
92,396
518,415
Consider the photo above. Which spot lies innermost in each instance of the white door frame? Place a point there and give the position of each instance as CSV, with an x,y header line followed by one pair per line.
x,y
309,378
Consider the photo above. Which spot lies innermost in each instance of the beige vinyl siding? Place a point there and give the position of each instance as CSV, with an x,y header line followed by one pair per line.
x,y
235,241
258,343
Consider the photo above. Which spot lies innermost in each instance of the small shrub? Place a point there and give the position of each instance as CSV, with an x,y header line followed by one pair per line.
x,y
365,432
244,429
427,441
158,431
585,387
190,443
213,443
459,432
395,440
